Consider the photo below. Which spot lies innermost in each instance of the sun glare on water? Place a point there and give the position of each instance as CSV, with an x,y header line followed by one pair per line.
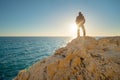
x,y
73,28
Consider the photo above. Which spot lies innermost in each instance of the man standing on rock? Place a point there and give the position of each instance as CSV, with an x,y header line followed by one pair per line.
x,y
80,20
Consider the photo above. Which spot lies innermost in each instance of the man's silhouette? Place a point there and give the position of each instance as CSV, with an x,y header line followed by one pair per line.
x,y
80,20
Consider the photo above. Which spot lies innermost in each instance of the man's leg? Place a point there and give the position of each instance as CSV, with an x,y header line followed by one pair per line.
x,y
83,29
78,32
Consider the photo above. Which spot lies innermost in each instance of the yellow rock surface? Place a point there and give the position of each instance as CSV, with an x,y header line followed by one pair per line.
x,y
84,58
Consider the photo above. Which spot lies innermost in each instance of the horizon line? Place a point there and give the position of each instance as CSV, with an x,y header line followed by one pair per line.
x,y
35,36
63,36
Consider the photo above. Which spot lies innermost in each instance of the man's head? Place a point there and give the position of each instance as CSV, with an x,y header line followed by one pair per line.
x,y
80,13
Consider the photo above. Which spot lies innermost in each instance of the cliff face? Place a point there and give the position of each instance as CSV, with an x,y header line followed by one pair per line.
x,y
84,58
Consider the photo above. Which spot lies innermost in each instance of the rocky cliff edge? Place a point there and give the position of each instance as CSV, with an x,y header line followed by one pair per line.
x,y
84,58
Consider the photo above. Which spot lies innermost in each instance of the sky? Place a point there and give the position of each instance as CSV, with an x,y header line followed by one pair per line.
x,y
55,17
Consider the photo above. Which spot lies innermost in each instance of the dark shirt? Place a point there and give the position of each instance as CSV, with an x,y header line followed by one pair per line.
x,y
79,19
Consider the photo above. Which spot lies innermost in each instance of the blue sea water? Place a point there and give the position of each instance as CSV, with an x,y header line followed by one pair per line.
x,y
17,53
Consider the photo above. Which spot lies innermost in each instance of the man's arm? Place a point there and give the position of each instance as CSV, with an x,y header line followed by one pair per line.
x,y
77,20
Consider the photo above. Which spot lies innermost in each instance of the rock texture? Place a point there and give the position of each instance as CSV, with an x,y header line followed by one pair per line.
x,y
84,58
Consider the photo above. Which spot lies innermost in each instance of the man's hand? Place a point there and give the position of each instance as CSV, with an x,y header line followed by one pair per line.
x,y
81,23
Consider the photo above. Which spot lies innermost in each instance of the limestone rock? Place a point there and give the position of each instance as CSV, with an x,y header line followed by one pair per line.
x,y
84,58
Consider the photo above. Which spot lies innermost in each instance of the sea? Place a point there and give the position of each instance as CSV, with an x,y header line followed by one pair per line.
x,y
17,53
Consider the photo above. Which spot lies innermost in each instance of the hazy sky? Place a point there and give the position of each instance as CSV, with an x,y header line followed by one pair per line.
x,y
54,17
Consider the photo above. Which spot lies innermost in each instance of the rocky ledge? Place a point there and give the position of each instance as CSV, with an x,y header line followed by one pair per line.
x,y
84,58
